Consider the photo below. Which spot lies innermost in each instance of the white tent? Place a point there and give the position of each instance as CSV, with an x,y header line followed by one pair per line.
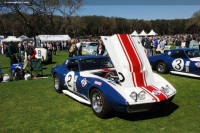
x,y
134,33
152,33
25,38
143,33
48,38
11,39
1,37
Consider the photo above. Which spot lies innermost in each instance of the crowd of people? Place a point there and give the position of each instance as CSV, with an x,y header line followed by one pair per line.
x,y
26,49
180,41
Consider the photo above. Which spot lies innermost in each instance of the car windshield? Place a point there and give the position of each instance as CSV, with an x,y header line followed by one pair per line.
x,y
193,53
93,44
89,44
95,63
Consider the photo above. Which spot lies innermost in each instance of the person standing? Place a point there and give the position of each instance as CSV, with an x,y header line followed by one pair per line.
x,y
162,45
188,39
73,49
178,43
194,43
155,45
1,47
100,48
183,43
64,46
148,46
10,52
22,49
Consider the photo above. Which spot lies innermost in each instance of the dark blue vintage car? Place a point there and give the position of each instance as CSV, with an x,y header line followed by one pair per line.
x,y
178,61
122,82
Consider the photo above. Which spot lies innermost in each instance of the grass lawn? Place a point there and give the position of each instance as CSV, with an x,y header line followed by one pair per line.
x,y
34,106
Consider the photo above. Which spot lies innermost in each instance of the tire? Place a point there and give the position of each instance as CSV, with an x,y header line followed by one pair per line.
x,y
99,104
161,67
57,84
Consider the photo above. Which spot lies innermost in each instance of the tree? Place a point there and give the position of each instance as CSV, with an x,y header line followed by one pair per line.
x,y
38,15
194,23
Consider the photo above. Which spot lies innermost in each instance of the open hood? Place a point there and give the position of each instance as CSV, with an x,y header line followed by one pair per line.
x,y
129,59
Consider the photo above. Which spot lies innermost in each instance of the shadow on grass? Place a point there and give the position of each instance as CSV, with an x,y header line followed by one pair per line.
x,y
48,63
5,67
148,115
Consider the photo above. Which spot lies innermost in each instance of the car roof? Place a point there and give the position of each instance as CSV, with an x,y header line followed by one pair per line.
x,y
183,49
87,57
88,42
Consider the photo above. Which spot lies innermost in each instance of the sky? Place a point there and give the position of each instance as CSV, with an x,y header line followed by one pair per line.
x,y
148,11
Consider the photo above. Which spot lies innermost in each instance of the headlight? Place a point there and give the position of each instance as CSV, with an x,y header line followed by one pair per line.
x,y
165,89
141,95
134,96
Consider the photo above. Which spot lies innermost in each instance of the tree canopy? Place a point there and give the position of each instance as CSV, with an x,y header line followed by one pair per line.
x,y
59,17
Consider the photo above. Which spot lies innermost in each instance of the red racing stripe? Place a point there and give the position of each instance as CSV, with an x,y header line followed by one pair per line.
x,y
156,92
134,60
127,57
143,73
161,91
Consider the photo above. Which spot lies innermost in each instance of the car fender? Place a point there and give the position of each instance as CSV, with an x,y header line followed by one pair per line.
x,y
107,88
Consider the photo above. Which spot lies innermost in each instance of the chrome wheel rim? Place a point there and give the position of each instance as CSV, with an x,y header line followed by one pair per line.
x,y
161,67
56,83
97,102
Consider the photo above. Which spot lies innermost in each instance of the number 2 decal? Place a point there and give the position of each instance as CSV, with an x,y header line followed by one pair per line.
x,y
178,64
68,80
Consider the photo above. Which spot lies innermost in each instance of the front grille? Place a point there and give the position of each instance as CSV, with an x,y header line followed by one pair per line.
x,y
148,106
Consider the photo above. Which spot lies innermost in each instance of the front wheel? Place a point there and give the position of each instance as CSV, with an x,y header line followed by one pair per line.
x,y
57,84
100,105
162,67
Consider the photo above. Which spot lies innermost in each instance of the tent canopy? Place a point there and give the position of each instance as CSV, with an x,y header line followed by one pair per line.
x,y
152,33
1,37
48,38
25,38
11,39
143,33
134,33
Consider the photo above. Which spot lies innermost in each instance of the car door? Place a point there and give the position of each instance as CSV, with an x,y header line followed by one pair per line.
x,y
71,76
179,61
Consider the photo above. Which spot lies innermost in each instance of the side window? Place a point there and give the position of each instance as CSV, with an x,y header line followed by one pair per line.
x,y
73,65
178,54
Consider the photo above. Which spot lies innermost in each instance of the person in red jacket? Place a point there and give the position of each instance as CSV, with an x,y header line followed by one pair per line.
x,y
30,53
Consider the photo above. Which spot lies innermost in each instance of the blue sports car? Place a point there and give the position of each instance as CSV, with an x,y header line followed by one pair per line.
x,y
178,61
122,82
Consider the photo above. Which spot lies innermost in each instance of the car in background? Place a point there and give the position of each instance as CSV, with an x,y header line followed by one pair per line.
x,y
122,82
44,55
185,61
87,48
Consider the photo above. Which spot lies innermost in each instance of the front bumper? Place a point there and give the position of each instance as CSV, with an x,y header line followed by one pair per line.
x,y
148,106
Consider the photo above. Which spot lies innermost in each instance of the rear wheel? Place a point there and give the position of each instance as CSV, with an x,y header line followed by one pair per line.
x,y
57,84
100,105
161,67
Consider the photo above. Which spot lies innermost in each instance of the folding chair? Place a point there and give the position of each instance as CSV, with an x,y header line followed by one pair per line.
x,y
36,67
